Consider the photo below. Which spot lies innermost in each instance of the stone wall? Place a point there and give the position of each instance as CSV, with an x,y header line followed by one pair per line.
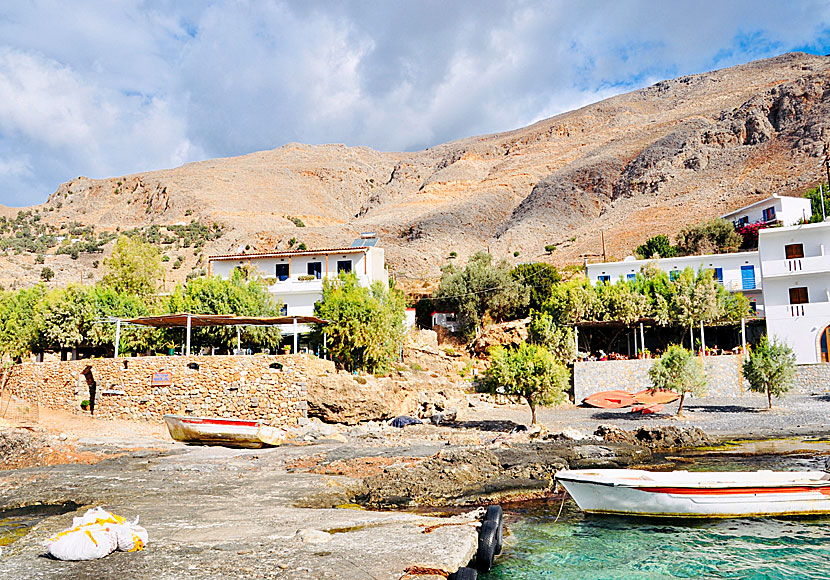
x,y
272,388
724,373
812,379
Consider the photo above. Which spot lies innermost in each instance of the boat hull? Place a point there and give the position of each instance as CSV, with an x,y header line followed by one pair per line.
x,y
702,495
215,431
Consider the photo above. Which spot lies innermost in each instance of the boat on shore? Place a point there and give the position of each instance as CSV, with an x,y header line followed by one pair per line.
x,y
219,431
722,494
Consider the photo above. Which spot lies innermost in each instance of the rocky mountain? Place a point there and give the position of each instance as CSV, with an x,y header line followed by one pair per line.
x,y
632,166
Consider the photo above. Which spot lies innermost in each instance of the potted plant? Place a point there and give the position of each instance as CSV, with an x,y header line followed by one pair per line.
x,y
85,405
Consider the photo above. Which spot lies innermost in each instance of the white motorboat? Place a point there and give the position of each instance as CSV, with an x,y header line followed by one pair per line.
x,y
221,431
698,494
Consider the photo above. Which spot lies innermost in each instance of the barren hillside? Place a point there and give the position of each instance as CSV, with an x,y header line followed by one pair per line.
x,y
633,166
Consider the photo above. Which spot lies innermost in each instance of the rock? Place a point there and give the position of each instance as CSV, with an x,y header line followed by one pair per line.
x,y
309,536
339,399
512,332
661,437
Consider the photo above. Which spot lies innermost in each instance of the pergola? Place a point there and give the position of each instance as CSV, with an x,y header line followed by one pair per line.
x,y
188,321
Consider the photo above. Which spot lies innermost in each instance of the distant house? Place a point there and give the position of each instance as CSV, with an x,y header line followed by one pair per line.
x,y
774,210
447,320
296,276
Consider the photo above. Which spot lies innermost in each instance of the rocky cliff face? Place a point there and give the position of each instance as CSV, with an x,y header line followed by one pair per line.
x,y
633,166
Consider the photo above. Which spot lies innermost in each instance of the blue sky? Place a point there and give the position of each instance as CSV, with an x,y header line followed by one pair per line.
x,y
107,88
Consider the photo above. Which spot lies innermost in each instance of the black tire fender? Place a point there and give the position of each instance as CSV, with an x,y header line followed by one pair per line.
x,y
486,546
495,514
464,574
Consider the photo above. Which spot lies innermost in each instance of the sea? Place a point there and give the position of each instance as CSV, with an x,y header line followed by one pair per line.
x,y
553,539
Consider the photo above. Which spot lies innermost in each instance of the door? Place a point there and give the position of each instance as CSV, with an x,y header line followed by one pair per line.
x,y
748,277
825,345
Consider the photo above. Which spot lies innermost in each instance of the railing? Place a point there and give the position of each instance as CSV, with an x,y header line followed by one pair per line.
x,y
805,265
791,311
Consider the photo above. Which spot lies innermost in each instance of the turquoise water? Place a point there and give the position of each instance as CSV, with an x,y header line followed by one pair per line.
x,y
583,547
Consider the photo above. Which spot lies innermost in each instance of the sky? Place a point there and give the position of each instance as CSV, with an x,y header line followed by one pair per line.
x,y
109,87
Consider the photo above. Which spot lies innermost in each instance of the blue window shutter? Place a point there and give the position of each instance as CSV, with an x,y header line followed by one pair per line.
x,y
605,279
719,275
631,276
748,277
674,274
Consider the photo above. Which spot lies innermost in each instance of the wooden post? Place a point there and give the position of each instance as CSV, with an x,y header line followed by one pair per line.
x,y
642,338
188,335
702,339
117,336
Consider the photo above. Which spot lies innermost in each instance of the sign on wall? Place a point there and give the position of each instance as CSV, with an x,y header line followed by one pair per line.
x,y
161,380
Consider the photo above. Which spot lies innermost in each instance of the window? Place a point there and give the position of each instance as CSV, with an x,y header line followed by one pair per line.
x,y
753,307
717,273
769,214
742,221
631,277
315,269
825,345
799,295
793,251
281,272
674,274
344,266
748,277
603,279
284,310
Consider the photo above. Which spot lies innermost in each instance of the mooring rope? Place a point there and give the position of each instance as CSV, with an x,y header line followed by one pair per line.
x,y
561,505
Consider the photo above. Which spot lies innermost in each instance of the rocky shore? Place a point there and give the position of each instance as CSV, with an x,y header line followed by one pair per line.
x,y
316,508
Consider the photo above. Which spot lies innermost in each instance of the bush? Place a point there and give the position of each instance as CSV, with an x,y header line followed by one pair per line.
x,y
529,372
680,371
770,368
715,236
658,245
550,248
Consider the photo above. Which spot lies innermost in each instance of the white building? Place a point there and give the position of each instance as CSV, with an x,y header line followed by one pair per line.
x,y
739,272
774,210
795,269
448,320
788,278
297,276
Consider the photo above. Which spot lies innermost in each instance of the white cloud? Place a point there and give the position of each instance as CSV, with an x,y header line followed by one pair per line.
x,y
110,88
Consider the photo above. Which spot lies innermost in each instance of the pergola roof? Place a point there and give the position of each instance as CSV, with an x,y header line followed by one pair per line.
x,y
196,320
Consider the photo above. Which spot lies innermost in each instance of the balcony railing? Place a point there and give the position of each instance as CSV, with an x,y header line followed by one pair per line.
x,y
792,311
806,265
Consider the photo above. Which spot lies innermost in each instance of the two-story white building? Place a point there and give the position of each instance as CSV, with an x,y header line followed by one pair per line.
x,y
297,276
787,278
739,272
774,210
795,268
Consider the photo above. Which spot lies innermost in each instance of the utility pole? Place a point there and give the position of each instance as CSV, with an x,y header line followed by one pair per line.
x,y
602,236
827,161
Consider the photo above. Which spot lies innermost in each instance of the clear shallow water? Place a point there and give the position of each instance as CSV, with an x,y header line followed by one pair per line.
x,y
601,547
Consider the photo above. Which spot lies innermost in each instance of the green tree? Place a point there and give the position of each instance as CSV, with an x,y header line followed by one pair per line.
x,y
237,295
539,279
529,372
483,287
46,273
770,368
715,236
19,333
134,267
814,195
572,301
656,247
695,299
366,325
680,371
621,302
109,303
559,340
65,316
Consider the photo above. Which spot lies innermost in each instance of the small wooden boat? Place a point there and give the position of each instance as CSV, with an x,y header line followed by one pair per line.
x,y
610,400
632,492
219,431
655,397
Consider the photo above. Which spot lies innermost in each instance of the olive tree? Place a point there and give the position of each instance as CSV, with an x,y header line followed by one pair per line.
x,y
529,372
680,371
134,267
770,368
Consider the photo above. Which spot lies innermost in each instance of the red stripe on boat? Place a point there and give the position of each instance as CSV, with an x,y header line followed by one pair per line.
x,y
733,490
219,422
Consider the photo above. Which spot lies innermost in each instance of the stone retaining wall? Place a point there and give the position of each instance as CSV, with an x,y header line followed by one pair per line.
x,y
724,373
810,379
244,387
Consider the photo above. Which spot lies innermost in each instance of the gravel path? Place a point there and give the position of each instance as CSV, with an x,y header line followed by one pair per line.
x,y
743,417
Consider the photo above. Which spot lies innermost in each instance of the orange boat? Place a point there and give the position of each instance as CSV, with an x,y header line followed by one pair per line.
x,y
647,409
610,400
655,397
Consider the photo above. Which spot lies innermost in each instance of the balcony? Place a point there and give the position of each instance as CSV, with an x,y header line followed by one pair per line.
x,y
808,265
795,311
296,286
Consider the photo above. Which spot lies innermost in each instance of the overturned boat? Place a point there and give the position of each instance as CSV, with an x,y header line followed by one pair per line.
x,y
220,431
633,492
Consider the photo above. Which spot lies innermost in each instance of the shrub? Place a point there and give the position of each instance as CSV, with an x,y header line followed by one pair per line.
x,y
550,248
770,368
680,371
659,245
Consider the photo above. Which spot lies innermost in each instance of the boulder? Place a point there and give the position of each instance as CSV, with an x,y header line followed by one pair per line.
x,y
658,437
342,399
512,332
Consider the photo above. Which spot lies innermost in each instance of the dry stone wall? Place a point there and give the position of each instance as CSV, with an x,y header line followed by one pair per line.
x,y
812,379
271,388
724,373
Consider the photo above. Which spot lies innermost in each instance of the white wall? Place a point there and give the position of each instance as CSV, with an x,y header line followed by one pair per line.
x,y
788,210
300,295
799,325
